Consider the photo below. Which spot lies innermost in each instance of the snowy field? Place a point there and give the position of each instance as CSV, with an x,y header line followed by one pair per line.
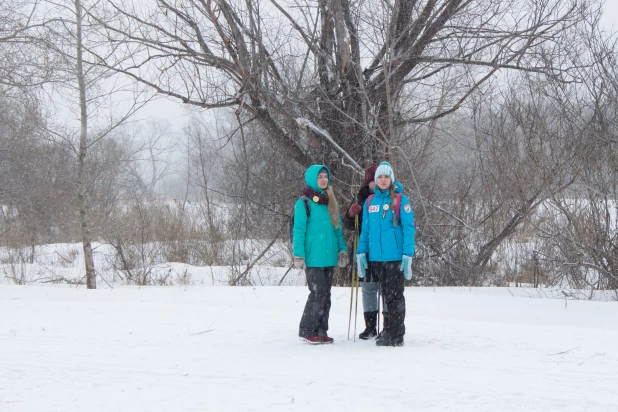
x,y
205,348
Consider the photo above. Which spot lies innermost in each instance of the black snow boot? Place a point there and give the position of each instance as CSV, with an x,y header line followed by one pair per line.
x,y
385,325
387,336
370,331
386,339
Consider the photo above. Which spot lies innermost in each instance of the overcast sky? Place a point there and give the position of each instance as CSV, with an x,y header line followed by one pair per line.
x,y
610,15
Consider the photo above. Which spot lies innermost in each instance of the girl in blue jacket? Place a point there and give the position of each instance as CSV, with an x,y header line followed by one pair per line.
x,y
318,246
387,244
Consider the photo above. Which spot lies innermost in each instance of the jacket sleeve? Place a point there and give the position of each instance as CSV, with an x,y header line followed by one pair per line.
x,y
342,247
407,224
363,240
300,228
348,223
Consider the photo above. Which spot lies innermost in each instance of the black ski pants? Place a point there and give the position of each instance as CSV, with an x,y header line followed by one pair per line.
x,y
391,281
317,309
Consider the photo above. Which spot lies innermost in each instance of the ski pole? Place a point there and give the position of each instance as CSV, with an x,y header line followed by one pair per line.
x,y
355,273
351,300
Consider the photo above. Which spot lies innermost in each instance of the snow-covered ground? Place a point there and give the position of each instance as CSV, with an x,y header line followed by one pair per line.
x,y
205,348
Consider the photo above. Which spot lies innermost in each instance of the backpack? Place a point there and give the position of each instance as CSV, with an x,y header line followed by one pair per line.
x,y
396,206
307,209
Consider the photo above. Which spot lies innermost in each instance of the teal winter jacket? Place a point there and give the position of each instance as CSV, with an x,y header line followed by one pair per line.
x,y
379,239
315,238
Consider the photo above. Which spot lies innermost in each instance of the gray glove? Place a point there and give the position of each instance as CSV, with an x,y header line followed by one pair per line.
x,y
299,263
344,259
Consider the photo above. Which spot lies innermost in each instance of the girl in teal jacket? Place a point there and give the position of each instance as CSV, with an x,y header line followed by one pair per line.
x,y
386,243
319,245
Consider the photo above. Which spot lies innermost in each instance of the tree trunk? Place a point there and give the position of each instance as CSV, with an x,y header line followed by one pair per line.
x,y
81,158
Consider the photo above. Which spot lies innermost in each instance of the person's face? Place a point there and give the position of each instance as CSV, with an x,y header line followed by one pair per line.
x,y
384,182
372,184
323,180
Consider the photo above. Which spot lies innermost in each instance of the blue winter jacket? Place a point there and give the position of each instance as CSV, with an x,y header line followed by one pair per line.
x,y
379,238
315,238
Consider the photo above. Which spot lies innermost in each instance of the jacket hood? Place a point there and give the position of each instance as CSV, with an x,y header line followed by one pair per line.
x,y
311,177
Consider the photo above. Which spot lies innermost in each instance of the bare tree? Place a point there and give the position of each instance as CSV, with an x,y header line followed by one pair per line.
x,y
340,82
88,91
338,69
25,63
578,230
36,179
529,153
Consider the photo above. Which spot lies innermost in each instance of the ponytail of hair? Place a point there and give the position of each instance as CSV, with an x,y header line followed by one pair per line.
x,y
333,207
393,198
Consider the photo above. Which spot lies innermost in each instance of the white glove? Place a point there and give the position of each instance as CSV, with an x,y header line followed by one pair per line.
x,y
406,267
361,263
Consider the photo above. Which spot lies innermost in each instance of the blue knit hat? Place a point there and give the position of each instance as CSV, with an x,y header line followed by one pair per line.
x,y
386,170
